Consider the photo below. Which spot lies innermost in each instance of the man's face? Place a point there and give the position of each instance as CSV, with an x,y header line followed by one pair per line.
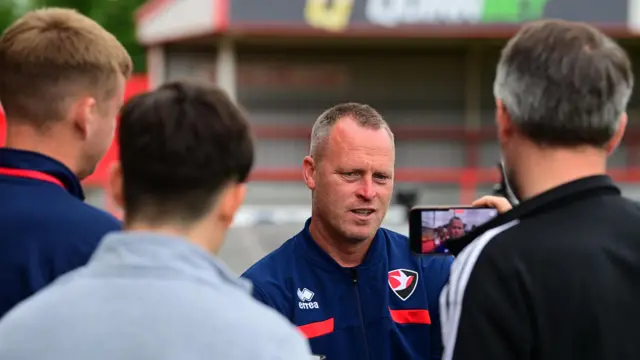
x,y
456,228
103,130
354,180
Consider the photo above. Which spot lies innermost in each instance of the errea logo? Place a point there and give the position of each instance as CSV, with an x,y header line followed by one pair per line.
x,y
305,295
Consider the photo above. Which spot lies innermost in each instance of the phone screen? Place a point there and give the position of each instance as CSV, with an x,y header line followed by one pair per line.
x,y
431,228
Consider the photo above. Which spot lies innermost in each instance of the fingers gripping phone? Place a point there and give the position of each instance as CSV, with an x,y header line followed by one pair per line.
x,y
432,228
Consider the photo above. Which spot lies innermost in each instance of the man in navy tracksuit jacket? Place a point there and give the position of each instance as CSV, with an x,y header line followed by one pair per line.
x,y
58,128
45,227
354,289
386,308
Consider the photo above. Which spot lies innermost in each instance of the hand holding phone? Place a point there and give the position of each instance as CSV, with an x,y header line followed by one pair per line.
x,y
432,228
497,202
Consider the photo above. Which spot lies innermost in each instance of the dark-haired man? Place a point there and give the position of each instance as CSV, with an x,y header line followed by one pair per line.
x,y
155,291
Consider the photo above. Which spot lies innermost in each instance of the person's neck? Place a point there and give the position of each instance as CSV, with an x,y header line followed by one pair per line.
x,y
23,137
196,234
346,254
543,169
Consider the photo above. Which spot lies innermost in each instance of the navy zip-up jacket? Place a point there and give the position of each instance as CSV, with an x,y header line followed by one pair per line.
x,y
384,309
46,229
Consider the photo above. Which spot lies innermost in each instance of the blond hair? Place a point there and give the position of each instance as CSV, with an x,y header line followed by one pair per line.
x,y
51,55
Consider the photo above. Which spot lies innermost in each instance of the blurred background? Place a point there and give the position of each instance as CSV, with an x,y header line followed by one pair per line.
x,y
426,65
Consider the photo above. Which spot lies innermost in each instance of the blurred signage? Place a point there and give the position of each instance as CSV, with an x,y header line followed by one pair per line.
x,y
390,13
337,16
330,15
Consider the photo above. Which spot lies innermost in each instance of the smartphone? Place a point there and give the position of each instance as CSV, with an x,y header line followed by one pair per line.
x,y
432,228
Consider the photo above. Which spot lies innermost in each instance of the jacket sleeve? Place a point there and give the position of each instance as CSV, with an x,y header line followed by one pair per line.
x,y
76,253
435,332
273,300
293,347
262,296
78,250
484,308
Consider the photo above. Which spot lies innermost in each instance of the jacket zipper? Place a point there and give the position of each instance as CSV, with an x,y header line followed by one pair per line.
x,y
354,273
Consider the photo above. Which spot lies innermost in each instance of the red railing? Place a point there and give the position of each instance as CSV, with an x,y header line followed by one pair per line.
x,y
468,177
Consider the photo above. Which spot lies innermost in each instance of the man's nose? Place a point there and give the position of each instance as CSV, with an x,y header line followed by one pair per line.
x,y
367,189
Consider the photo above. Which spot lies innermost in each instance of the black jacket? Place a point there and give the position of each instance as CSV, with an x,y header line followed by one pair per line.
x,y
557,277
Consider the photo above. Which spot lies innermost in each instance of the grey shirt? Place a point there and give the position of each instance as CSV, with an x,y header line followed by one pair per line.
x,y
145,296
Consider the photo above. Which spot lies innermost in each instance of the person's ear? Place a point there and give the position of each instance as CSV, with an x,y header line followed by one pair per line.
x,y
309,172
229,203
83,115
115,184
506,127
615,141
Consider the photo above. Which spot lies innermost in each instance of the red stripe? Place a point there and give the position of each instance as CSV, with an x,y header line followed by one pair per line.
x,y
413,316
221,15
317,328
3,126
31,174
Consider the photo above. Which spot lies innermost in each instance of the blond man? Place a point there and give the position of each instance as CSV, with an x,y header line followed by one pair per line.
x,y
62,79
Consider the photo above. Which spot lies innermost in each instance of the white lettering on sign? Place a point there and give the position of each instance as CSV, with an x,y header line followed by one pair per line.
x,y
391,13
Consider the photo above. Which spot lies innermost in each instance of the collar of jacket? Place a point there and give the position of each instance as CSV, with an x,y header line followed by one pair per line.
x,y
146,249
29,160
310,249
576,190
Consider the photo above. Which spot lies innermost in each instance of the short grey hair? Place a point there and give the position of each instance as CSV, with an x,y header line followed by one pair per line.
x,y
564,83
365,116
